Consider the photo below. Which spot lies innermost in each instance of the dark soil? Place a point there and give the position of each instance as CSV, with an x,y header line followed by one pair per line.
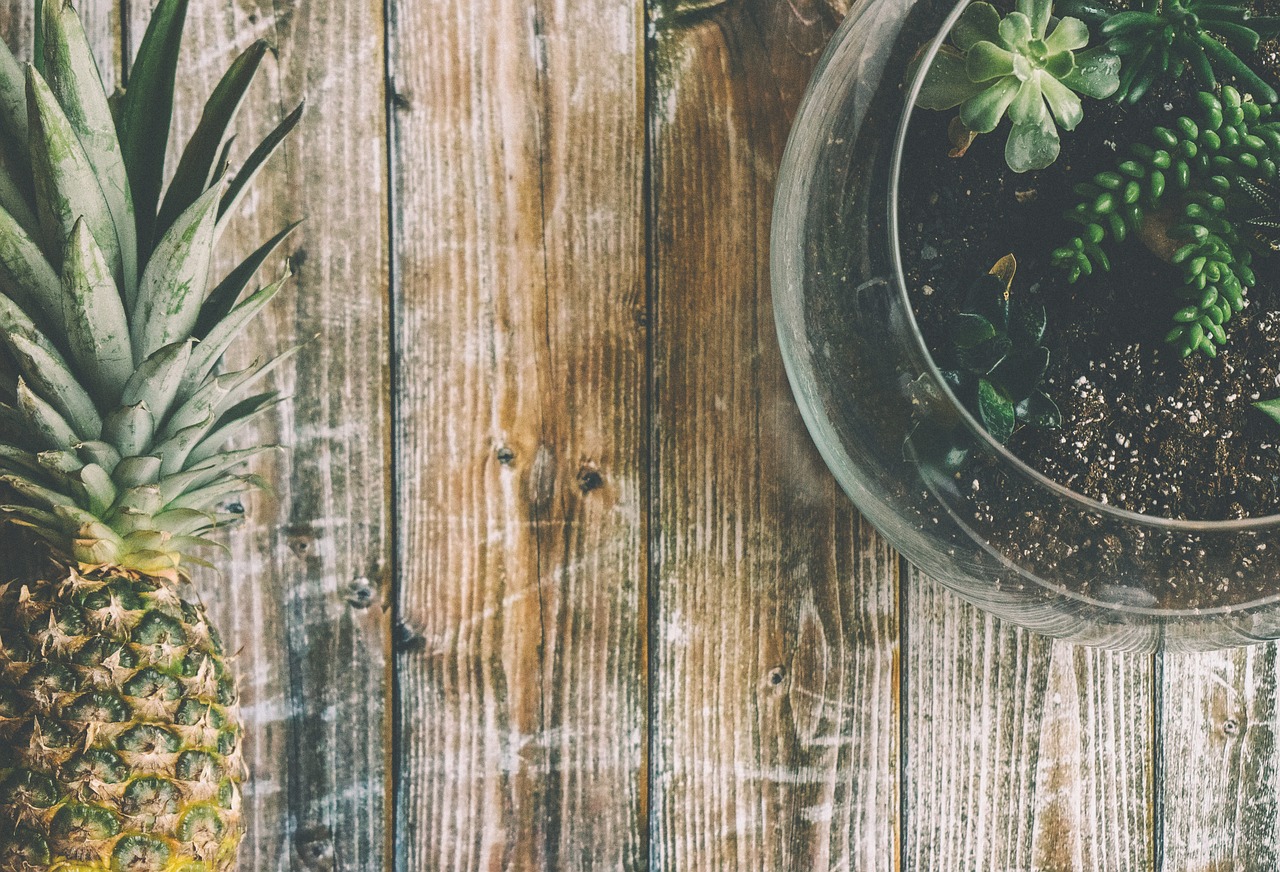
x,y
1143,430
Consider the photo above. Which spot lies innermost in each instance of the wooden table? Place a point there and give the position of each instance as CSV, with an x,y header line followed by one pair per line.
x,y
555,579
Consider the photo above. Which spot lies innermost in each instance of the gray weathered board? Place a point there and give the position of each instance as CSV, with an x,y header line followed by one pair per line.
x,y
554,578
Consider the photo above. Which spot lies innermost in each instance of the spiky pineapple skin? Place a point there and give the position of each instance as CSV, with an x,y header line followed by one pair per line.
x,y
120,736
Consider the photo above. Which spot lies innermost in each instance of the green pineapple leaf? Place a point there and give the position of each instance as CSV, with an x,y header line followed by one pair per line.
x,y
156,382
205,152
253,164
223,298
146,112
210,351
97,328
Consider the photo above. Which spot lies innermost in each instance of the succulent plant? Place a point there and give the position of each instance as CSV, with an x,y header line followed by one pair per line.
x,y
998,363
1164,38
996,66
1265,220
1191,195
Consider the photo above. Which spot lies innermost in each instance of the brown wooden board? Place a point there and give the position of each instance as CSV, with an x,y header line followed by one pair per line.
x,y
775,736
1022,753
306,594
519,163
1218,760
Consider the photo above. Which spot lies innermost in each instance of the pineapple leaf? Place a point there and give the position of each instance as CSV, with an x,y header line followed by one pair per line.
x,y
147,110
129,429
141,500
175,450
66,186
73,77
175,280
96,325
136,472
224,297
240,185
60,463
15,428
45,422
25,274
203,404
36,517
21,461
13,111
184,522
209,497
49,375
14,322
156,381
13,198
230,425
210,351
101,490
198,167
38,494
209,471
100,453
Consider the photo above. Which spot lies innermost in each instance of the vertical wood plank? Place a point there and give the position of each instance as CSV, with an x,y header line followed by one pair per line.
x,y
775,627
518,149
306,595
1022,753
1219,755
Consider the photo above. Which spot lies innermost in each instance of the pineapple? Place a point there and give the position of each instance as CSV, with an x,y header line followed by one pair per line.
x,y
120,744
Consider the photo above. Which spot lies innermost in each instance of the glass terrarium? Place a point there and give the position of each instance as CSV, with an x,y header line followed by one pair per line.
x,y
913,454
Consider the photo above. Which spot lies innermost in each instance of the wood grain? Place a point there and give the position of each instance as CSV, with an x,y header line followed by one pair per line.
x,y
307,594
519,164
1022,753
1219,761
775,608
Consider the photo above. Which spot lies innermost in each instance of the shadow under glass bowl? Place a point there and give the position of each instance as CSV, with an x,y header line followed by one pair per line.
x,y
999,534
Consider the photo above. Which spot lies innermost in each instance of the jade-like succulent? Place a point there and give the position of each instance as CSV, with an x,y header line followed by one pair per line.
x,y
1193,196
995,66
1164,38
998,363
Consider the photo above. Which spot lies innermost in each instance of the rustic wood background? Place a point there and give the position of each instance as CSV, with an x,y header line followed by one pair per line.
x,y
554,579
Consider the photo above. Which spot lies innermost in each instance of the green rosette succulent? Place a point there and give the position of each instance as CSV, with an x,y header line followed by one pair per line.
x,y
996,66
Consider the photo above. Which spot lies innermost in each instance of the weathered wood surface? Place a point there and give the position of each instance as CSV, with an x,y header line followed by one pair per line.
x,y
629,622
774,680
1022,753
518,155
307,596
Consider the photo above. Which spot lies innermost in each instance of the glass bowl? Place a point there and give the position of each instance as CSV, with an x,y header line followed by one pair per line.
x,y
999,534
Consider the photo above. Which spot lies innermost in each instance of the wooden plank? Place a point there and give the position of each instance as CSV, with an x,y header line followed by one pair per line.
x,y
775,625
519,149
1219,760
307,593
1022,753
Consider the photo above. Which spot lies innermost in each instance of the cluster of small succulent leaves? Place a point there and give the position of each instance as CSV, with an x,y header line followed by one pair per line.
x,y
1161,39
998,363
1015,65
1209,176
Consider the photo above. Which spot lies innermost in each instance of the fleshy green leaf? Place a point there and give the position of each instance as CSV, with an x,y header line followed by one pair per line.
x,y
1015,31
979,21
983,112
1096,74
199,164
946,84
96,325
967,330
1028,106
987,61
13,111
215,441
995,411
1038,13
1027,323
73,77
174,283
1270,408
66,184
1019,374
147,110
52,429
1032,146
1071,34
1039,410
1065,105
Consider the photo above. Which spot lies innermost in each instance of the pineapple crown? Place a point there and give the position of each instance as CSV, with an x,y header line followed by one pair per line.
x,y
114,411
